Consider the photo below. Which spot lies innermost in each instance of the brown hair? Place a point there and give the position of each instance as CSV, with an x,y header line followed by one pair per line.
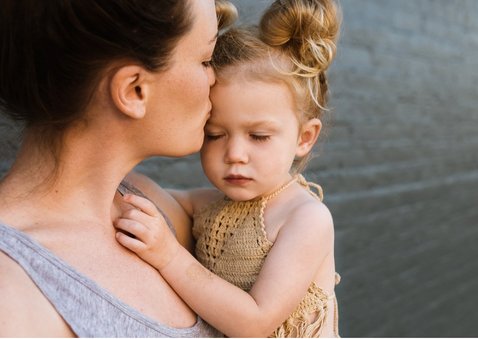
x,y
295,43
53,53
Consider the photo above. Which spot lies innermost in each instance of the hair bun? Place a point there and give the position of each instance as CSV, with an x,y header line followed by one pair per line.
x,y
307,30
226,14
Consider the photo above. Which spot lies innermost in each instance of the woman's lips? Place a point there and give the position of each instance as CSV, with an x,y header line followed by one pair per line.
x,y
237,180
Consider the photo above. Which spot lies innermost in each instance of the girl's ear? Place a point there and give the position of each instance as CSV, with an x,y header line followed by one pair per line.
x,y
128,91
308,136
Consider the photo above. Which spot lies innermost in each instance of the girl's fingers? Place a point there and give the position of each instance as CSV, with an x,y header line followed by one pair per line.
x,y
154,224
143,204
132,227
130,243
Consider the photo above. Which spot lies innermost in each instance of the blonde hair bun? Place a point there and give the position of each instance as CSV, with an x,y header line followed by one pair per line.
x,y
306,30
226,13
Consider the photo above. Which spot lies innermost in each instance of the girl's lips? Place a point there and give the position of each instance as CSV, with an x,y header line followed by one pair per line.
x,y
238,180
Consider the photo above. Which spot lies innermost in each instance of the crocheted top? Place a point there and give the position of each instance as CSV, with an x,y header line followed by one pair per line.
x,y
231,241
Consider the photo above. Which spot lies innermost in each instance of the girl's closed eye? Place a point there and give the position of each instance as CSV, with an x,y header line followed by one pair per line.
x,y
260,137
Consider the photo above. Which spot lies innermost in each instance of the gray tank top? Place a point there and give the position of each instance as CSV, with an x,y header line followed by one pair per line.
x,y
88,309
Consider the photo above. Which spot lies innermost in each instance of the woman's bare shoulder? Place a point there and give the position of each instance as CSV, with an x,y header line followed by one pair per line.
x,y
24,310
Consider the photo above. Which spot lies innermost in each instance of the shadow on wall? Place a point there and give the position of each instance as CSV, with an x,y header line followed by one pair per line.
x,y
398,165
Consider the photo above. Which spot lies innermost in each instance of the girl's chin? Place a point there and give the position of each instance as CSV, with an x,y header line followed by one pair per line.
x,y
240,196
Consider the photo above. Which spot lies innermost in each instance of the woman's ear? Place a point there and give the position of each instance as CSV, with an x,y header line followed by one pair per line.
x,y
127,89
308,135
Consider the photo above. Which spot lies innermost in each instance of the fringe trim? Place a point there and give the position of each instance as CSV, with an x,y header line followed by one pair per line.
x,y
299,327
298,324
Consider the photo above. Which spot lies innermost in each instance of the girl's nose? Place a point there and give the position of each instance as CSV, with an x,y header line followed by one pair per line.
x,y
235,152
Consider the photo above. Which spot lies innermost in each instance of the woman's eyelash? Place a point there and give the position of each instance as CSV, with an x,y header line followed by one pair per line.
x,y
207,63
213,136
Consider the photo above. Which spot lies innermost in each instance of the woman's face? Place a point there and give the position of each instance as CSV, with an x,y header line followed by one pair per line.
x,y
180,104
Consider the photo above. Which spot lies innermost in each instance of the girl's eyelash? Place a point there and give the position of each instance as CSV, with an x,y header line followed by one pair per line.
x,y
260,137
255,137
207,63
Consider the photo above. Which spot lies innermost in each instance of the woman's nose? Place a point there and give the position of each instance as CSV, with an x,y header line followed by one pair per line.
x,y
211,76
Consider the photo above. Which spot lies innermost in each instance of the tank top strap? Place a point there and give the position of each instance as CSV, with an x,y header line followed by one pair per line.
x,y
308,185
127,188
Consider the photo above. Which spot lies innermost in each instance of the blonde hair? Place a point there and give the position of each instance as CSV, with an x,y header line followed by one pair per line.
x,y
295,43
226,13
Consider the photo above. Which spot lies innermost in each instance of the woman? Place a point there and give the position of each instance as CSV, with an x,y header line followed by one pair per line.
x,y
100,85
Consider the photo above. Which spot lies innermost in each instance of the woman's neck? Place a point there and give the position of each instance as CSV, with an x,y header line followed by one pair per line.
x,y
80,185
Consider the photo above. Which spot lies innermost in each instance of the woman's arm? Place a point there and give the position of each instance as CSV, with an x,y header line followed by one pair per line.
x,y
290,267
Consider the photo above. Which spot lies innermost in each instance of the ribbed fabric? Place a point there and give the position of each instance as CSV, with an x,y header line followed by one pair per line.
x,y
88,309
232,243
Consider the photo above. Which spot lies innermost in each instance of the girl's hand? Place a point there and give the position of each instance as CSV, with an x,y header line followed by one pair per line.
x,y
151,237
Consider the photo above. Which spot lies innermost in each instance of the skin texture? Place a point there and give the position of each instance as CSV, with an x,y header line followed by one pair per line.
x,y
134,113
253,131
242,133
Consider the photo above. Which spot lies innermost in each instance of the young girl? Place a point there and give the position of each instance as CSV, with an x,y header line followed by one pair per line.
x,y
265,238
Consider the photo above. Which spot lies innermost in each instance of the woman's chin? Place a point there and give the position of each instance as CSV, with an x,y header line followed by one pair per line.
x,y
190,151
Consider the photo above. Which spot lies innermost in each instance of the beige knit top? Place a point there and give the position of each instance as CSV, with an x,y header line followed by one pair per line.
x,y
231,241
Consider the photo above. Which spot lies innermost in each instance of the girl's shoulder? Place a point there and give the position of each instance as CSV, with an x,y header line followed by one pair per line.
x,y
309,216
205,197
202,197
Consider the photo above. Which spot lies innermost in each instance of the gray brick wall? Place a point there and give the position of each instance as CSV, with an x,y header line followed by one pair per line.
x,y
398,165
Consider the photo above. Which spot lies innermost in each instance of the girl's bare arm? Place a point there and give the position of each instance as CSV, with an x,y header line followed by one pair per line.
x,y
299,250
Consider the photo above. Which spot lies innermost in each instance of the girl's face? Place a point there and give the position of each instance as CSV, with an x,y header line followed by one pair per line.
x,y
251,138
180,105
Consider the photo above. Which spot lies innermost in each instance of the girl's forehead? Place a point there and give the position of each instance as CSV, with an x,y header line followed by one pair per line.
x,y
251,97
250,112
249,122
251,83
